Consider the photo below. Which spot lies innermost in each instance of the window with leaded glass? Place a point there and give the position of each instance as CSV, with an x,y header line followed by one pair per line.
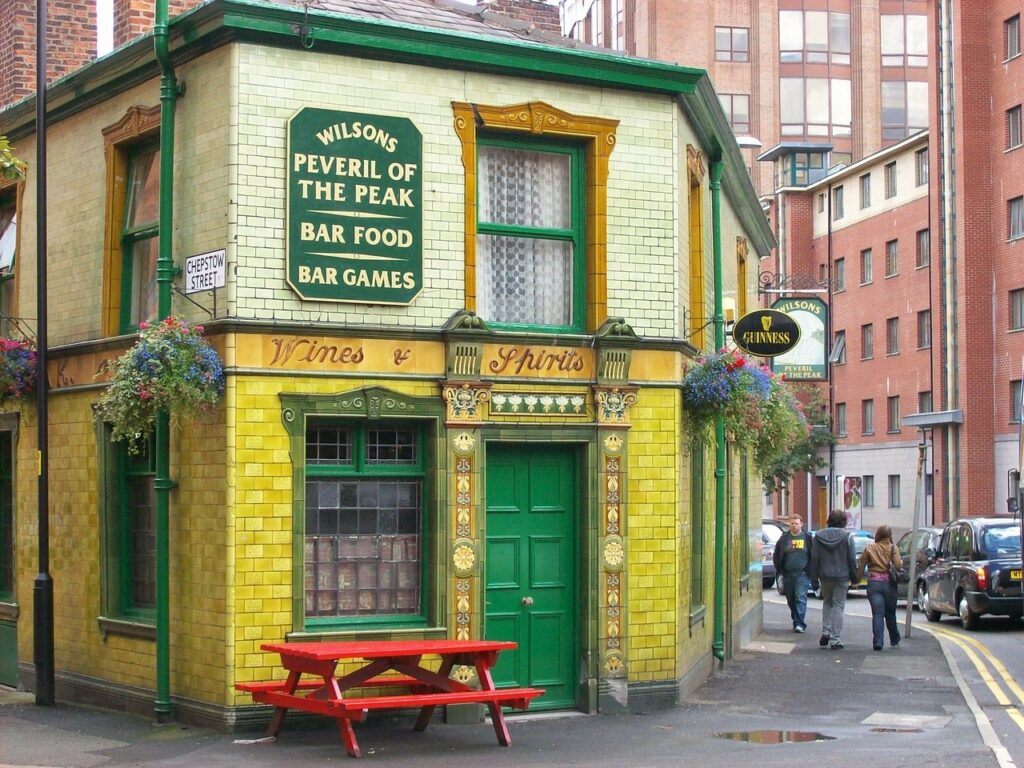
x,y
140,237
530,235
364,534
8,253
6,517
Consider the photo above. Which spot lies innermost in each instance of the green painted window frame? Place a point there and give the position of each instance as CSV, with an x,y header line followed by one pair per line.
x,y
6,516
134,234
573,234
359,467
118,469
697,548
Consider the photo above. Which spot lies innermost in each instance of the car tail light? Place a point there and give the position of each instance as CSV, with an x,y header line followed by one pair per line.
x,y
981,573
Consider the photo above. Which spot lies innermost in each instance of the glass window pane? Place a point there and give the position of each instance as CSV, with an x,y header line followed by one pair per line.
x,y
8,237
525,188
524,280
143,275
144,194
740,44
817,100
917,105
840,32
791,32
816,30
892,35
142,541
893,104
917,35
842,103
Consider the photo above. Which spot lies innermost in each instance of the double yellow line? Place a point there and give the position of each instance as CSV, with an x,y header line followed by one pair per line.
x,y
979,654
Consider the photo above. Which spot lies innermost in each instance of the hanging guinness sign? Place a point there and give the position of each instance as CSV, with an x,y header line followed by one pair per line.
x,y
766,332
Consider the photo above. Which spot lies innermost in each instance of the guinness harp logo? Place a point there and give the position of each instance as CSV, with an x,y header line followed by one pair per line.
x,y
766,333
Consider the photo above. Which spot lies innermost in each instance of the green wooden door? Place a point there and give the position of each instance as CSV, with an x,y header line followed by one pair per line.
x,y
532,567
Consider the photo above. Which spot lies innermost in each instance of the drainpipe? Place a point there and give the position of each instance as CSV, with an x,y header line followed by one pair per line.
x,y
718,646
164,276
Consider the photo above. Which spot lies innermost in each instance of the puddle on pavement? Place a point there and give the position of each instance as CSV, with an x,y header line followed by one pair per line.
x,y
774,737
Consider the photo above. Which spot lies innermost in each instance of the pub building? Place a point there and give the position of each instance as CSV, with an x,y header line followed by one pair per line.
x,y
455,267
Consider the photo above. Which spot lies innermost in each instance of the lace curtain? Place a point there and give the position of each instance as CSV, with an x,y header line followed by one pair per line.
x,y
524,279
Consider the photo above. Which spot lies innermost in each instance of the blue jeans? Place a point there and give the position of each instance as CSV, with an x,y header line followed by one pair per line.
x,y
882,596
795,585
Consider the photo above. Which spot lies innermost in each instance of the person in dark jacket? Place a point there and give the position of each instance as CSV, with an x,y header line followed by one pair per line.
x,y
792,558
834,565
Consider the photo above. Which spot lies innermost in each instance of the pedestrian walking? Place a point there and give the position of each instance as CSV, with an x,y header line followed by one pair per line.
x,y
792,558
834,565
877,557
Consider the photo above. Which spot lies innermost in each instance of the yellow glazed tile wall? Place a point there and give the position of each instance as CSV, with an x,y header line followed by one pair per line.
x,y
653,505
260,531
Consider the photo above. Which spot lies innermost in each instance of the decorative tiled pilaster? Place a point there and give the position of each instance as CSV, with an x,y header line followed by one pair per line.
x,y
613,553
464,545
613,404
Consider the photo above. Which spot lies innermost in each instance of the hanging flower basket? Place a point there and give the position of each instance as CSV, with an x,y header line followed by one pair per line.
x,y
725,384
17,369
172,368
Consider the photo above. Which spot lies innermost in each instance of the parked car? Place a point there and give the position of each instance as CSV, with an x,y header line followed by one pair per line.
x,y
927,540
771,530
976,570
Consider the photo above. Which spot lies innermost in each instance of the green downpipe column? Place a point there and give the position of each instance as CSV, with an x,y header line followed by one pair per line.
x,y
718,646
164,276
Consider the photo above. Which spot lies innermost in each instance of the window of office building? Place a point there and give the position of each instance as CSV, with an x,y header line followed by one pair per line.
x,y
1011,37
904,108
894,491
815,106
924,329
837,203
867,417
839,274
1015,214
732,44
867,490
904,40
821,202
921,167
839,347
737,108
1015,404
924,401
841,419
865,266
867,341
924,248
893,413
865,191
892,258
892,336
814,37
1013,127
1017,309
890,179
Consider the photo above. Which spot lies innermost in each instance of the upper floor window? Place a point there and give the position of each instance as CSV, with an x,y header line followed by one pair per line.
x,y
892,260
1015,215
894,491
921,167
838,354
867,417
1017,309
815,106
1015,400
732,44
867,341
837,203
924,329
890,179
867,490
737,108
841,419
924,401
865,266
132,220
8,257
904,41
815,37
904,108
892,336
893,414
839,274
1011,37
865,191
1013,127
821,202
924,248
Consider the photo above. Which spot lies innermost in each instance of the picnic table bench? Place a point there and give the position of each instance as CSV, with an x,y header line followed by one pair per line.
x,y
386,664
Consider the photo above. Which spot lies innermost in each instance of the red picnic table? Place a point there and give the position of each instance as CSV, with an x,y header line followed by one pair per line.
x,y
386,665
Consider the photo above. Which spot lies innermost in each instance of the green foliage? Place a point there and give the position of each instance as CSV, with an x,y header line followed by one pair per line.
x,y
11,168
171,368
17,369
804,454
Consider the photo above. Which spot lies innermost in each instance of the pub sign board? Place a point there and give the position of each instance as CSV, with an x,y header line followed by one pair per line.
x,y
355,207
766,332
807,360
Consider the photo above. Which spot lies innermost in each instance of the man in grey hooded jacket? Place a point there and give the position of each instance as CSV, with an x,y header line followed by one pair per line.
x,y
834,565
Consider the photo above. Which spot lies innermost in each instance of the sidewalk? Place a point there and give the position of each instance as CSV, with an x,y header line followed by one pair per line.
x,y
885,709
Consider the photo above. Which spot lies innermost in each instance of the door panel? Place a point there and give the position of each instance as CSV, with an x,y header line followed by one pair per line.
x,y
531,568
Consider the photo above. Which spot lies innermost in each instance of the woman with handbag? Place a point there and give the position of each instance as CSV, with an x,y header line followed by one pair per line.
x,y
882,560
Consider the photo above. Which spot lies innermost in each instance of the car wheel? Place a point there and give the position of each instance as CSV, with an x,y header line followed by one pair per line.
x,y
967,617
926,605
919,595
